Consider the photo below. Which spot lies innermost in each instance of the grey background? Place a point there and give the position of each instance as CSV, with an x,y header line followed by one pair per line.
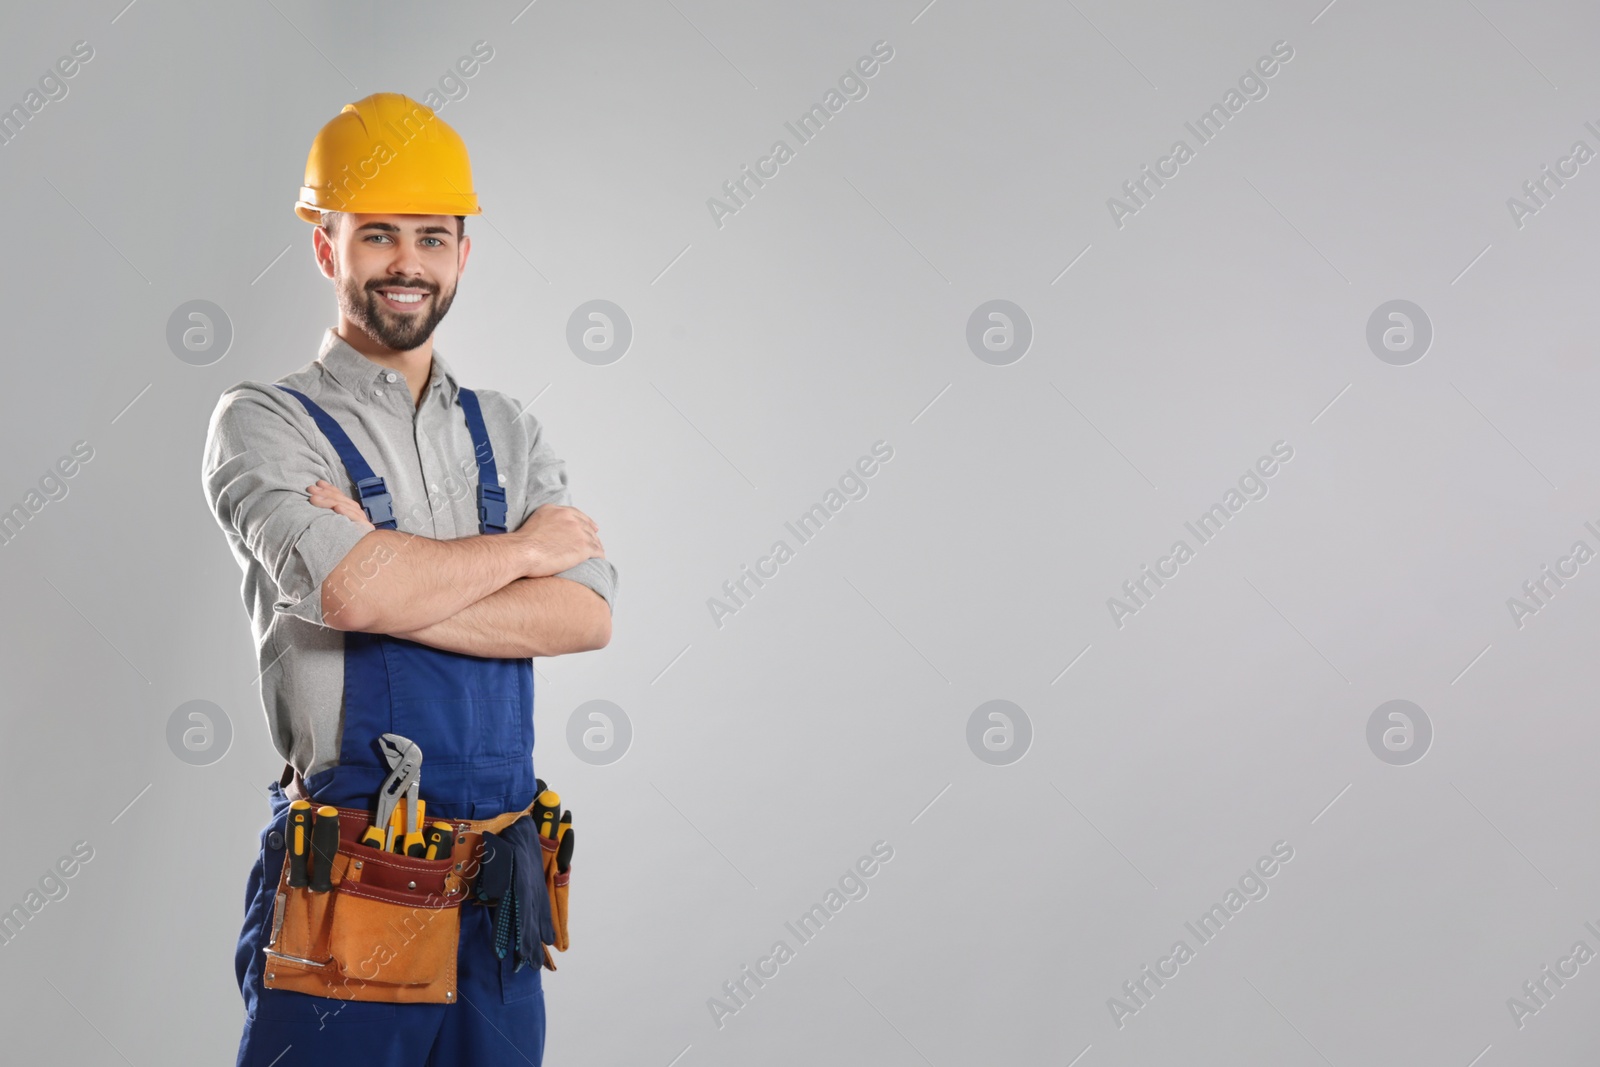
x,y
832,711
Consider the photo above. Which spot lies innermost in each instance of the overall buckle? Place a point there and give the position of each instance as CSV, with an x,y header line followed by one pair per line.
x,y
376,501
491,508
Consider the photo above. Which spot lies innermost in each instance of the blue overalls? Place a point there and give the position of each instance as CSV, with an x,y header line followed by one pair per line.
x,y
473,719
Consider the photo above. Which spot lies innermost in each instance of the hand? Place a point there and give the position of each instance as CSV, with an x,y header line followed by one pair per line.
x,y
559,537
326,495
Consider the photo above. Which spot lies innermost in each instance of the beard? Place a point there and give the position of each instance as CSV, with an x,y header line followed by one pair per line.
x,y
398,330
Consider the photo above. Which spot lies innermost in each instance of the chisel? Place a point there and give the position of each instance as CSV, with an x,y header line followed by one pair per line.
x,y
324,846
299,842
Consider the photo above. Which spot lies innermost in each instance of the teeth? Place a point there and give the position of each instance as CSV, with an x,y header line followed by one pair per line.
x,y
405,298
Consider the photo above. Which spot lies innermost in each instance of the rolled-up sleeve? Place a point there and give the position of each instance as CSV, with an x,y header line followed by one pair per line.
x,y
257,466
547,484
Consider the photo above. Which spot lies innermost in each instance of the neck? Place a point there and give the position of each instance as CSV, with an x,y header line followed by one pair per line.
x,y
415,365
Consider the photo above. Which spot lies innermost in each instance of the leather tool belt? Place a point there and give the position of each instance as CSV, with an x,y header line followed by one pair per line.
x,y
389,928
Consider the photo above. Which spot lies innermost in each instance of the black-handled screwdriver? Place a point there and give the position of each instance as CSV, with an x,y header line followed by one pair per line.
x,y
299,842
441,839
564,850
324,846
546,813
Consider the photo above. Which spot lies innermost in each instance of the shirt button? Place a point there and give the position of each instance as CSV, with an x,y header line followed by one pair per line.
x,y
377,392
390,377
275,840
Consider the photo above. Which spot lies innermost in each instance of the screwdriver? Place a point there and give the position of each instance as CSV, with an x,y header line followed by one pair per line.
x,y
546,810
325,844
415,845
441,839
397,825
299,842
564,849
399,819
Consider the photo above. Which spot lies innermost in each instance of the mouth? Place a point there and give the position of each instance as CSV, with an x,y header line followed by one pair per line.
x,y
404,299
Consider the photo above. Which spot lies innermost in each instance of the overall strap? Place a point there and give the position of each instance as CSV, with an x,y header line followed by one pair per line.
x,y
491,497
370,490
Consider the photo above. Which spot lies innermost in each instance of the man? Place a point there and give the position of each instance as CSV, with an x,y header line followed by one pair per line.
x,y
407,545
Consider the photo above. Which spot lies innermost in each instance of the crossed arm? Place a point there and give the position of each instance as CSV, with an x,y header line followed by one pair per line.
x,y
486,595
545,616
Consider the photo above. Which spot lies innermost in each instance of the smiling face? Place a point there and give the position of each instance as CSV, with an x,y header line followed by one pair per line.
x,y
395,275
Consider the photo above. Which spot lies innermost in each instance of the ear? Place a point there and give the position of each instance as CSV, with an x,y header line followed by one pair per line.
x,y
322,251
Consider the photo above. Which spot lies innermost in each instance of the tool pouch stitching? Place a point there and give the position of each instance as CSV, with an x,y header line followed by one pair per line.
x,y
361,941
306,920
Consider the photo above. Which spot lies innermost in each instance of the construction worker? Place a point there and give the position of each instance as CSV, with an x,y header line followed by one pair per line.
x,y
407,545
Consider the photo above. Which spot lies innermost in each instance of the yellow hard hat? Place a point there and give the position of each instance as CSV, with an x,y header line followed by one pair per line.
x,y
387,155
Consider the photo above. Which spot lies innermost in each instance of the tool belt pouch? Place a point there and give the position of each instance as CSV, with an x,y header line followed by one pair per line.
x,y
556,889
388,930
518,880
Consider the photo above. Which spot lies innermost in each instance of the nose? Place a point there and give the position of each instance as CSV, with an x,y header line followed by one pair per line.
x,y
405,263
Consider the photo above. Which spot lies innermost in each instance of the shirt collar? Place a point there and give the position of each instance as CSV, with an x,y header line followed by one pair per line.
x,y
361,375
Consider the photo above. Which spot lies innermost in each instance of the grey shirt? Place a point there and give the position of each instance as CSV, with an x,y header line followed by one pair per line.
x,y
263,450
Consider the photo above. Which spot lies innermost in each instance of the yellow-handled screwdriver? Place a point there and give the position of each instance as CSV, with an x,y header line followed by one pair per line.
x,y
398,820
324,845
415,845
299,842
546,812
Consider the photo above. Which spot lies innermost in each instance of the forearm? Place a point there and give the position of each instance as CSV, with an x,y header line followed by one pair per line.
x,y
392,581
547,616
